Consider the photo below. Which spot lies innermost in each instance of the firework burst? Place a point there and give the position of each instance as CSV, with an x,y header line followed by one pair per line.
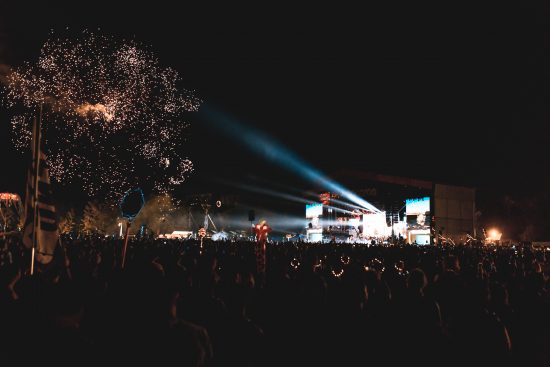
x,y
113,117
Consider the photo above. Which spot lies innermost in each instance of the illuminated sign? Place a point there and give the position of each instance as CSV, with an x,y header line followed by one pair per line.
x,y
202,232
314,210
326,196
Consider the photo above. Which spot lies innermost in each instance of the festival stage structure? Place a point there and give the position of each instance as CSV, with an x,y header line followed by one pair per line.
x,y
415,211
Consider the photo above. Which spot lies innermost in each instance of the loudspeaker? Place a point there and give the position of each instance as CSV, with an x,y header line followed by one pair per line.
x,y
251,216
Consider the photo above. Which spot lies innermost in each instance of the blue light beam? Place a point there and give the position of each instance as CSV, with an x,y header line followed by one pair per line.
x,y
274,151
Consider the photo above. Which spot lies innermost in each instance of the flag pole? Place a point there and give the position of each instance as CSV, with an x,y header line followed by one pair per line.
x,y
36,158
125,246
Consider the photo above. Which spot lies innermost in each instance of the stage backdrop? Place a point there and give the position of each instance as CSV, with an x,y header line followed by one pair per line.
x,y
454,209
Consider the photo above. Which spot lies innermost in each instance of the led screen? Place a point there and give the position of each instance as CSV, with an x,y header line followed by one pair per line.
x,y
314,210
417,206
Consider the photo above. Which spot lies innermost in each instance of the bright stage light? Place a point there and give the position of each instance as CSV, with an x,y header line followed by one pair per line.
x,y
276,152
494,235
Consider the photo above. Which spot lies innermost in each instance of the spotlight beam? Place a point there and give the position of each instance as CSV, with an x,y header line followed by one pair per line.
x,y
307,193
274,151
281,195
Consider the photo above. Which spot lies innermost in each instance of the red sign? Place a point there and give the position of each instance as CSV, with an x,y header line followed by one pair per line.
x,y
202,232
325,198
262,229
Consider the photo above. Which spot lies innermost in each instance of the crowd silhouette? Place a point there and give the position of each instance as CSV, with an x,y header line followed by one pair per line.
x,y
317,304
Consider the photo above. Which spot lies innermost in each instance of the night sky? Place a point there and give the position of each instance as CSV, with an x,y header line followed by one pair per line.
x,y
454,95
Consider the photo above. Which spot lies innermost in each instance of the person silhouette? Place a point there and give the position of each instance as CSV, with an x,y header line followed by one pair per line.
x,y
262,230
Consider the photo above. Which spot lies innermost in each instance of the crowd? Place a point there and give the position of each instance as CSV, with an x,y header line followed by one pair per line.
x,y
178,304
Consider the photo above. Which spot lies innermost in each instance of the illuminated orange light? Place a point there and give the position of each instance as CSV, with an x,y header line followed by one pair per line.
x,y
9,196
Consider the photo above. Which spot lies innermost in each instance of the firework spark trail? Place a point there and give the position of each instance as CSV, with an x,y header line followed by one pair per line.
x,y
114,117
